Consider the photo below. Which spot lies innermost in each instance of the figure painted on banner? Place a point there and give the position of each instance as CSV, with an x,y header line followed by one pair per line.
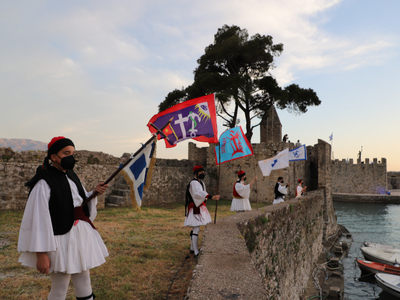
x,y
241,193
300,190
280,191
196,212
57,235
298,144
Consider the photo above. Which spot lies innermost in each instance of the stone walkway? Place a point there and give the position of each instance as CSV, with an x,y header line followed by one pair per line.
x,y
225,270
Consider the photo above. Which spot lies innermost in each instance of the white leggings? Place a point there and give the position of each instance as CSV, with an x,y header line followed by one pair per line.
x,y
60,282
195,238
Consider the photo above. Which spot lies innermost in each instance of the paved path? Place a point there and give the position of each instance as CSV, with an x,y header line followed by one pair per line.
x,y
225,270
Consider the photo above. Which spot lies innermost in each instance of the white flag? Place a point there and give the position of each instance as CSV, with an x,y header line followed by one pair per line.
x,y
299,153
280,161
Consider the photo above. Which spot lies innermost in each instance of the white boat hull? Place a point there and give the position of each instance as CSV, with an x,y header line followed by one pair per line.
x,y
374,245
381,255
389,283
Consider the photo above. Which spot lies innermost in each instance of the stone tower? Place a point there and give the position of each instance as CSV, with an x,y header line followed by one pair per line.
x,y
271,127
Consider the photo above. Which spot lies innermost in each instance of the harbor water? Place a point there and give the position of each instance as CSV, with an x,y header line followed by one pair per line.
x,y
371,222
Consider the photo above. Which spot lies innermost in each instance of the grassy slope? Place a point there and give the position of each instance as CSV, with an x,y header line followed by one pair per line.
x,y
146,249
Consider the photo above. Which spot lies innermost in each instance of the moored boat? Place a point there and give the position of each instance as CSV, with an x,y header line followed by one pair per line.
x,y
374,245
374,267
389,283
381,255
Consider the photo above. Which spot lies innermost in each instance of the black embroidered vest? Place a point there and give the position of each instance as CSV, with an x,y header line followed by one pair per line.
x,y
61,205
189,199
278,194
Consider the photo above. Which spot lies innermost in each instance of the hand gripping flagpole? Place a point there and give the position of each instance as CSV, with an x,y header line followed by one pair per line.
x,y
122,166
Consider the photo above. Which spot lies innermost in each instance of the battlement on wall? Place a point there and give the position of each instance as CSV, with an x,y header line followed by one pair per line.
x,y
359,162
362,177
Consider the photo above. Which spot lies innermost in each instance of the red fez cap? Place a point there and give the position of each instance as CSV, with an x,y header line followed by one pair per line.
x,y
241,173
53,140
197,169
57,143
299,180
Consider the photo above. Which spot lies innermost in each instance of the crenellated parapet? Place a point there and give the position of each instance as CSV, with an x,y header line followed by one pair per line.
x,y
362,177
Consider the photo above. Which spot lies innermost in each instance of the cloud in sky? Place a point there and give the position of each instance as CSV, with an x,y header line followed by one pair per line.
x,y
97,70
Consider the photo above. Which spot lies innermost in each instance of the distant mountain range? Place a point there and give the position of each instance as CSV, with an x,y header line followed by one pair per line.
x,y
22,144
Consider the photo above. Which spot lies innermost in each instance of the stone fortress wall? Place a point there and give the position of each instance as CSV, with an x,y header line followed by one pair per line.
x,y
16,168
169,180
171,176
360,178
393,180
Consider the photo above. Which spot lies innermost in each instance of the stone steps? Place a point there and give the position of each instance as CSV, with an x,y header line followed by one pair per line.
x,y
119,195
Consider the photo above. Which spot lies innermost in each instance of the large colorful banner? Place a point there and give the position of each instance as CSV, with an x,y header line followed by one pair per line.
x,y
193,119
233,144
300,153
280,161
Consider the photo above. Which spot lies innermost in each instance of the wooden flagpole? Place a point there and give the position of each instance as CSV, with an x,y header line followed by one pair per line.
x,y
219,174
159,131
255,174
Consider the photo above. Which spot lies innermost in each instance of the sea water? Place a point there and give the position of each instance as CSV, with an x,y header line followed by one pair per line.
x,y
371,222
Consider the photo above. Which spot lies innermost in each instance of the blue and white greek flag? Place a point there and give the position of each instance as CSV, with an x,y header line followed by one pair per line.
x,y
300,153
139,171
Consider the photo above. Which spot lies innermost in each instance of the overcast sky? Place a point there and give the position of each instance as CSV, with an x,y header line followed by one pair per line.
x,y
95,71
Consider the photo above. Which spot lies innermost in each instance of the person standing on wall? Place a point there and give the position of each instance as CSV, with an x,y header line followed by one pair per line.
x,y
280,191
196,212
300,191
57,235
241,193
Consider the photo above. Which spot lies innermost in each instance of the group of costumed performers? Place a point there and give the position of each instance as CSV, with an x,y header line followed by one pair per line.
x,y
196,212
57,235
241,193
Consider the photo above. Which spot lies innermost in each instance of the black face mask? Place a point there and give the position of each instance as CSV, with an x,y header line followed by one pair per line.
x,y
202,176
244,178
68,162
282,181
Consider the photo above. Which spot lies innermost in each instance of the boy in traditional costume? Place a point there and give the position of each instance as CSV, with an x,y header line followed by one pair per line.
x,y
57,235
280,191
241,193
300,190
196,212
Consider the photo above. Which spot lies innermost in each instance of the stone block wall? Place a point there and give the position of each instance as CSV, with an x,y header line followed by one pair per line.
x,y
359,178
284,243
16,168
393,180
169,181
286,240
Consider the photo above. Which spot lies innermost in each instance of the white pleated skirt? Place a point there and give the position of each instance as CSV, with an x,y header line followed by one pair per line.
x,y
240,204
80,249
279,200
198,220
